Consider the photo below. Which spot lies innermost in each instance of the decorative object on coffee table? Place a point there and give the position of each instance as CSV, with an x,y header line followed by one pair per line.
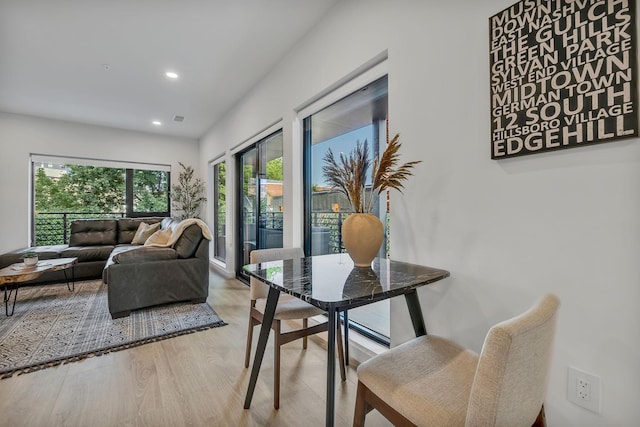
x,y
54,326
30,259
362,231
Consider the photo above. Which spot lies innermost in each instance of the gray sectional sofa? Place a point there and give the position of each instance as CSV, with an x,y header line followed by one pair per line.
x,y
137,276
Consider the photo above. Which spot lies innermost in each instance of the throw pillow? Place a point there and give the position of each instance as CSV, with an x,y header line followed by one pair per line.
x,y
159,238
144,232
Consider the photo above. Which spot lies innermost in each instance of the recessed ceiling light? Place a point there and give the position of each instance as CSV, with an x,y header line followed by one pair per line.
x,y
157,122
171,75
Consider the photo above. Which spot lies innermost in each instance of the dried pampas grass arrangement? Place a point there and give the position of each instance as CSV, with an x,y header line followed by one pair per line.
x,y
349,174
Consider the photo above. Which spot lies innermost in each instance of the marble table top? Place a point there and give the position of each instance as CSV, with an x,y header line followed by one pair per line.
x,y
332,280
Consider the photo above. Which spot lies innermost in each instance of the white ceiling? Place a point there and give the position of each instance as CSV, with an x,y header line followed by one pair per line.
x,y
53,55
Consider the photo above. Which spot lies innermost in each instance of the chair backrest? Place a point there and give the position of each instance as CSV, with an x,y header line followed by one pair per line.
x,y
511,378
259,289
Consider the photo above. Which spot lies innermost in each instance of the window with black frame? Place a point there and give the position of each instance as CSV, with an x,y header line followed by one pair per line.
x,y
63,191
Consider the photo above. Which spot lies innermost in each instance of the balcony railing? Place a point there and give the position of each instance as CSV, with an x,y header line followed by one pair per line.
x,y
322,221
52,228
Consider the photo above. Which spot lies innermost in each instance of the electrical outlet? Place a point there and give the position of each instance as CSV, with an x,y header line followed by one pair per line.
x,y
583,389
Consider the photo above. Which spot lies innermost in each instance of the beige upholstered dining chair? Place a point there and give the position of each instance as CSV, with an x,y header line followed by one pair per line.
x,y
288,308
433,381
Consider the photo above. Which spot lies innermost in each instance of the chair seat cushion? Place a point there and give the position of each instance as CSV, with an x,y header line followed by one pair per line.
x,y
434,383
290,308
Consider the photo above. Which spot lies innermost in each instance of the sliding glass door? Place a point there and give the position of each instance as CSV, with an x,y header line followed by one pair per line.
x,y
260,198
359,116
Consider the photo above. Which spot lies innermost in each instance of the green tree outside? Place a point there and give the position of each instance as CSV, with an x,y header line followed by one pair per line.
x,y
221,201
89,191
100,189
81,189
274,169
150,191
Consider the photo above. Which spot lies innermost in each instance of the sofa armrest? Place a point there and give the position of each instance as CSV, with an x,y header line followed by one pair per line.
x,y
145,254
137,285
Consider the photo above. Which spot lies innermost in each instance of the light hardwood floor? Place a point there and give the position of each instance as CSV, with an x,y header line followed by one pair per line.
x,y
197,379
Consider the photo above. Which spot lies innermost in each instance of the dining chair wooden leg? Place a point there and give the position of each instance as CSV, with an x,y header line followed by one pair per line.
x,y
343,374
305,325
541,421
360,411
247,354
276,364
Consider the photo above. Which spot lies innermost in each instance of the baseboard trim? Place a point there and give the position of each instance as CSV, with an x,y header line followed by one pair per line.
x,y
221,270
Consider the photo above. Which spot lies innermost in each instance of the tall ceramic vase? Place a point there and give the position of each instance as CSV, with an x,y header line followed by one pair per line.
x,y
362,234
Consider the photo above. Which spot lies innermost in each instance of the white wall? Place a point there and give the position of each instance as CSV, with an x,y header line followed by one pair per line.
x,y
22,135
510,230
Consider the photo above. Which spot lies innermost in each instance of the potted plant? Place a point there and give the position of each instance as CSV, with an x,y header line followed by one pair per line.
x,y
363,232
188,195
30,258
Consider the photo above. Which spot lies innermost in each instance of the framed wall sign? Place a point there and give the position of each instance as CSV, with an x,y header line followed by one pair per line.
x,y
563,73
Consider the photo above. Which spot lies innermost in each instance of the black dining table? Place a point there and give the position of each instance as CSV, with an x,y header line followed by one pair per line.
x,y
332,283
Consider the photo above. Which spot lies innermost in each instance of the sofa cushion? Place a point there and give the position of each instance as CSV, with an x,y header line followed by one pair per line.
x,y
188,242
127,228
88,253
143,254
144,232
93,232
